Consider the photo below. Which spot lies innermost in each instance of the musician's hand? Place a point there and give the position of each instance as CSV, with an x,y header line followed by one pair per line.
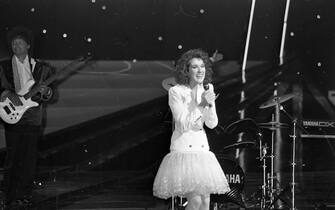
x,y
46,93
45,90
216,56
13,97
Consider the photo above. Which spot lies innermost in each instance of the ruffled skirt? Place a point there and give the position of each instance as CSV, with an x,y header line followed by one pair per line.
x,y
181,173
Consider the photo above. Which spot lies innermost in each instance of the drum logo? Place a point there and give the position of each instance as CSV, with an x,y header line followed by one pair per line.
x,y
234,178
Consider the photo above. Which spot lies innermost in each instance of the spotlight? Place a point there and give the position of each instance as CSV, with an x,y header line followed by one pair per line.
x,y
104,7
64,35
160,38
291,33
180,47
44,31
202,11
32,9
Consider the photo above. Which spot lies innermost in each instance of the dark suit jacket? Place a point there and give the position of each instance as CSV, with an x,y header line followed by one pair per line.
x,y
41,72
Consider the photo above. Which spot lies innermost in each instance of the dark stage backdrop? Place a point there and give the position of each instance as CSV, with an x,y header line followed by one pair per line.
x,y
162,29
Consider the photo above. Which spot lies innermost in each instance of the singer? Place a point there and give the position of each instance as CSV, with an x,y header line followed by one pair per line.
x,y
190,169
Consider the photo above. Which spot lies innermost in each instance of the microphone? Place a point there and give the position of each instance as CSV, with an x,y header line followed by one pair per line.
x,y
206,87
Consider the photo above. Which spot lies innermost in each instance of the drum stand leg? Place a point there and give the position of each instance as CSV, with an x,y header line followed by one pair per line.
x,y
264,186
272,166
293,164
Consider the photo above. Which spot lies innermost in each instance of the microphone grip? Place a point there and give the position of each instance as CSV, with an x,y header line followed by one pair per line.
x,y
206,87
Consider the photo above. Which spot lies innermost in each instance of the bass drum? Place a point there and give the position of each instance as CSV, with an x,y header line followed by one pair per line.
x,y
235,177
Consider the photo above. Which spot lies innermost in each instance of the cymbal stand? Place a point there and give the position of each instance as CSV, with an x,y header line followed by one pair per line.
x,y
294,137
272,162
263,152
293,163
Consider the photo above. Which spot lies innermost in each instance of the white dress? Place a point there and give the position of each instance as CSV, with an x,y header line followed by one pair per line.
x,y
190,166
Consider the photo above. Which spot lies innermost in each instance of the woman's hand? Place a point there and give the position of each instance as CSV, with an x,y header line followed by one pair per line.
x,y
207,98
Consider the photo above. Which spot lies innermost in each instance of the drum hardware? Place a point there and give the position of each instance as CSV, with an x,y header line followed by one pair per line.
x,y
293,164
240,145
268,191
273,125
276,100
262,158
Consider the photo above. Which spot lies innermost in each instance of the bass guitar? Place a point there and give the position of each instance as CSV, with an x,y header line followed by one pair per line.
x,y
12,114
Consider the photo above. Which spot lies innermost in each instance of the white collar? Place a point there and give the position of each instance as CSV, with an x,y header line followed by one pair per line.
x,y
25,61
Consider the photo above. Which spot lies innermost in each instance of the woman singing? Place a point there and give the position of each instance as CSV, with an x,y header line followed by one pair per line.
x,y
190,169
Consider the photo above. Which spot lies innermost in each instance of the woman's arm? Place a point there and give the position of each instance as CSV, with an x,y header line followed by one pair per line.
x,y
209,111
185,116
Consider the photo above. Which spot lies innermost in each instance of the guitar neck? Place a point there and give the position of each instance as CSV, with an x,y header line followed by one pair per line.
x,y
67,69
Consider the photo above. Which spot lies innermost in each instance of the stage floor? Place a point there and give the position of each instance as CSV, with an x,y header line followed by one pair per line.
x,y
132,190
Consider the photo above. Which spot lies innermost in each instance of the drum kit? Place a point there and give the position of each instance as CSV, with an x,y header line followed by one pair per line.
x,y
235,174
269,194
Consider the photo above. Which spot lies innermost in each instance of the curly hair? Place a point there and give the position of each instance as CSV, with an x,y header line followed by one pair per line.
x,y
20,32
183,65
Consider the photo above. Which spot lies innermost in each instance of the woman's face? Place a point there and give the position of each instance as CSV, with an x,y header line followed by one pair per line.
x,y
196,71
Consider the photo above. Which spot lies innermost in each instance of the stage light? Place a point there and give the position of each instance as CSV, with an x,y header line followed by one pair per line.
x,y
291,33
104,7
318,16
266,37
44,31
89,39
85,150
180,47
134,60
160,38
93,1
32,9
64,35
319,64
202,11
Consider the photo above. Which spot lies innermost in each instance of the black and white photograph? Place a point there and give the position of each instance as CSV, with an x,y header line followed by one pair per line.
x,y
167,104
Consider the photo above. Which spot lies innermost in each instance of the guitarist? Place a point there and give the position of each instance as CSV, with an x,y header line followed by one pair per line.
x,y
17,76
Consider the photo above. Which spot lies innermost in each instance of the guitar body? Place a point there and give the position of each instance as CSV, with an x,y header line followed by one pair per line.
x,y
11,114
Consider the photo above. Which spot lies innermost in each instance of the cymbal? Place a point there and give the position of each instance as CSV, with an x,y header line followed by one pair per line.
x,y
168,83
240,145
276,100
273,125
242,125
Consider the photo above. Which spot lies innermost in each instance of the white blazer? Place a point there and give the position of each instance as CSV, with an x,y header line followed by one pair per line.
x,y
189,118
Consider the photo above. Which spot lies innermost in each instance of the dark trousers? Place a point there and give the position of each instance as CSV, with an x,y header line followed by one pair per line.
x,y
20,163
